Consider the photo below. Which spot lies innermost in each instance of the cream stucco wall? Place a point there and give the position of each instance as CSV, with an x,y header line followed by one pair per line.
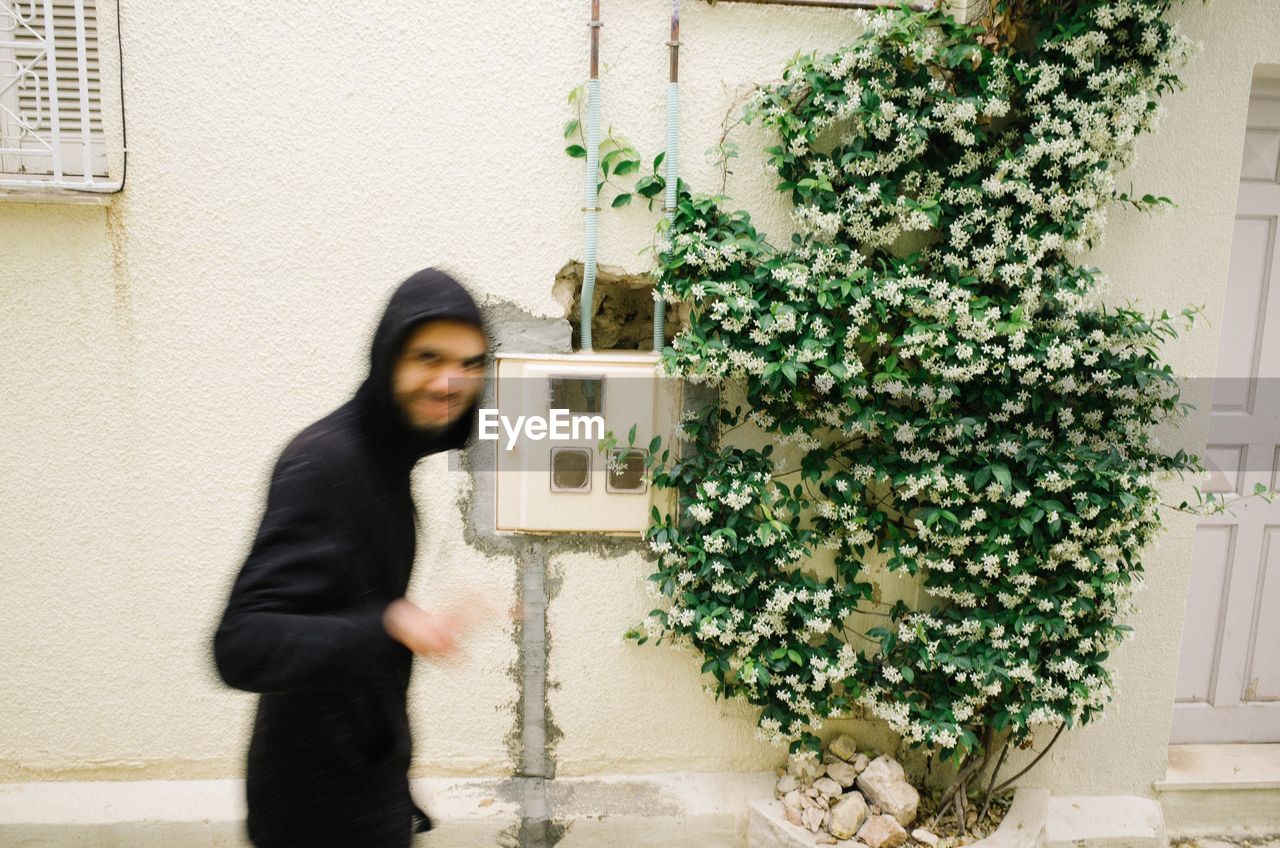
x,y
287,165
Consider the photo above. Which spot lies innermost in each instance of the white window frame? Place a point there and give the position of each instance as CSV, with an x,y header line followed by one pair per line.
x,y
60,128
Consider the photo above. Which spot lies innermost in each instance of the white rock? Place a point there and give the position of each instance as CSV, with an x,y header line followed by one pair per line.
x,y
925,837
860,762
792,816
844,747
848,814
792,800
805,767
882,832
820,803
886,766
828,787
842,773
824,839
786,783
812,818
885,785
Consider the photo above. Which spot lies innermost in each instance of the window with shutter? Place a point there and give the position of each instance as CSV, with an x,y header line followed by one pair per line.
x,y
51,119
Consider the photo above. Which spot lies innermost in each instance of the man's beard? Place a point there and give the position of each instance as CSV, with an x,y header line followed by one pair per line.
x,y
427,430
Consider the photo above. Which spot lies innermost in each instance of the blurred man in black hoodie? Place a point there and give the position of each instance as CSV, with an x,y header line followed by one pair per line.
x,y
317,621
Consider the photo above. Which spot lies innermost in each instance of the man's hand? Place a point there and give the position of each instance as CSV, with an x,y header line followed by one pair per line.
x,y
426,634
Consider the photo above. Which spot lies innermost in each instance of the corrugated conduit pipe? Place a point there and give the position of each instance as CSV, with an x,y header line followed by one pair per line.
x,y
672,161
673,171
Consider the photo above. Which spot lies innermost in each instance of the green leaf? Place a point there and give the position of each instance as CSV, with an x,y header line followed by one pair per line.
x,y
1002,475
621,200
649,186
571,127
577,151
607,159
627,166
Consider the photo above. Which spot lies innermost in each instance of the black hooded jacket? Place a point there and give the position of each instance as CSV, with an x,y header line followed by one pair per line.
x,y
329,756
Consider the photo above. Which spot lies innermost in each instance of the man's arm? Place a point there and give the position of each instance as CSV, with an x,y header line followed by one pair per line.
x,y
286,627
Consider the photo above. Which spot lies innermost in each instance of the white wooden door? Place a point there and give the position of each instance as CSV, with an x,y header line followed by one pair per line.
x,y
1228,686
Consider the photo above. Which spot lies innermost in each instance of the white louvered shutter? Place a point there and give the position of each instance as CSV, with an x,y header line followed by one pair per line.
x,y
27,105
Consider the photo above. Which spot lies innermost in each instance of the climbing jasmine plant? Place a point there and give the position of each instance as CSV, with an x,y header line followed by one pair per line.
x,y
964,406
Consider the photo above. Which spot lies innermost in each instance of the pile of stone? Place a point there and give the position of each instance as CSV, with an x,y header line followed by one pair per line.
x,y
850,799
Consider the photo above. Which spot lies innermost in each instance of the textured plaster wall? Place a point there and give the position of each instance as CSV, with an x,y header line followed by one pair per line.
x,y
287,165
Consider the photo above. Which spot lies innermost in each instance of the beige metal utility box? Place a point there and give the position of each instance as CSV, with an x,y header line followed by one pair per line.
x,y
552,412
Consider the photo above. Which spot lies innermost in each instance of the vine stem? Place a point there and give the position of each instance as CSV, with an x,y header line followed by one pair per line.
x,y
859,634
973,764
725,128
1038,758
986,802
1223,506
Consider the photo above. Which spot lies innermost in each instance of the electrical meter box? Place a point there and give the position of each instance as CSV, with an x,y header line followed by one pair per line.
x,y
553,411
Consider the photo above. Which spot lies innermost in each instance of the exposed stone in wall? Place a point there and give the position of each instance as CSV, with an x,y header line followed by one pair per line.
x,y
623,308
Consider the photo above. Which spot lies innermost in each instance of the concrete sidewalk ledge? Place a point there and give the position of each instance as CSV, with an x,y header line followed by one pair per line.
x,y
210,813
693,809
107,814
601,811
1104,821
674,810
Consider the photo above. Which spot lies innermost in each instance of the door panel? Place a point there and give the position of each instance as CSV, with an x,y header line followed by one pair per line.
x,y
1200,634
1228,687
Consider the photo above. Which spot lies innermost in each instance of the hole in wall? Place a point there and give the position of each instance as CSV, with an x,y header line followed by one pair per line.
x,y
623,308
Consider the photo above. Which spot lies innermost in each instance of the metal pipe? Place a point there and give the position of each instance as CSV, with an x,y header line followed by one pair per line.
x,y
674,43
838,4
672,161
595,39
590,196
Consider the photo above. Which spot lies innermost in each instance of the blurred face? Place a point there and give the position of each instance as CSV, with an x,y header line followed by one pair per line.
x,y
439,373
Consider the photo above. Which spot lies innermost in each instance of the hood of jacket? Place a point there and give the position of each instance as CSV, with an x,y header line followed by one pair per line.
x,y
427,295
